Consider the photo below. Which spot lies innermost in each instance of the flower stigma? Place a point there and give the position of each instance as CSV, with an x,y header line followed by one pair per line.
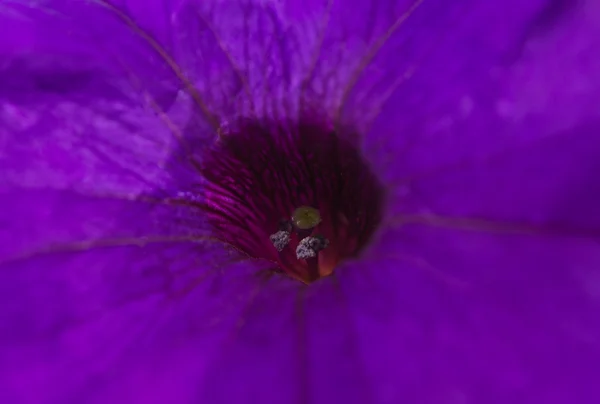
x,y
296,194
306,217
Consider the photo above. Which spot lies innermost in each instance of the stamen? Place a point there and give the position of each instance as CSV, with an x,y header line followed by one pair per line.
x,y
309,247
280,239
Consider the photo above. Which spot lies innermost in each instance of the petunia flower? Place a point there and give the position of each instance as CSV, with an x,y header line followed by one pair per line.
x,y
344,201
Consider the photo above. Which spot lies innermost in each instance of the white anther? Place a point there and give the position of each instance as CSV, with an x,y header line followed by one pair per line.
x,y
280,239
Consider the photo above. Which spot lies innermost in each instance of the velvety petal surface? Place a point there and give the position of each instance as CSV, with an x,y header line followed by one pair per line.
x,y
480,288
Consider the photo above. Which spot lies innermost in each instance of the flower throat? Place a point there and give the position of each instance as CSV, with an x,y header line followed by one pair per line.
x,y
297,195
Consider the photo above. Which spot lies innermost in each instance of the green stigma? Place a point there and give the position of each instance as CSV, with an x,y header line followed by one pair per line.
x,y
305,217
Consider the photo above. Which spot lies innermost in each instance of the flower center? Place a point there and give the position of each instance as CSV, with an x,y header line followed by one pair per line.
x,y
298,195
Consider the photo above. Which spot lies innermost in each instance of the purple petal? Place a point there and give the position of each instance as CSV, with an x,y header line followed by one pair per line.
x,y
481,288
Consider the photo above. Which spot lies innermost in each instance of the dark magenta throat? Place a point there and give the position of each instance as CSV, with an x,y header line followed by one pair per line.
x,y
297,195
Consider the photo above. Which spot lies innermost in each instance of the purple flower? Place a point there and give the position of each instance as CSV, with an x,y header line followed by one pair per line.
x,y
353,201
